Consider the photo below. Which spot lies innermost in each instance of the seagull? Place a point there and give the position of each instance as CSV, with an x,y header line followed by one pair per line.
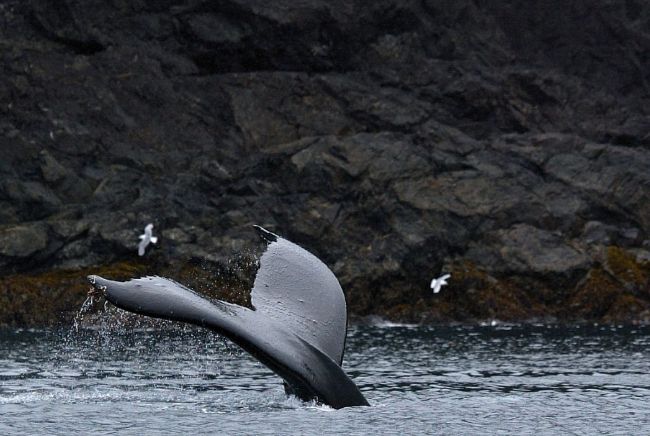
x,y
438,283
146,238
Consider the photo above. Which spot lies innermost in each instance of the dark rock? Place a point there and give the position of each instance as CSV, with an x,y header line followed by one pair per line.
x,y
52,170
69,229
596,232
23,240
178,235
214,170
508,142
65,182
32,199
527,249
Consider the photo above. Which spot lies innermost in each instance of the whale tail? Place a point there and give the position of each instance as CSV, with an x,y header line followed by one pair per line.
x,y
296,328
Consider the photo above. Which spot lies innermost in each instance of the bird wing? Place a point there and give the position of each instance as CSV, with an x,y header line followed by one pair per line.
x,y
141,246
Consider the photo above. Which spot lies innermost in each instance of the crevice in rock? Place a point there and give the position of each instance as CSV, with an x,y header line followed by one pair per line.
x,y
66,31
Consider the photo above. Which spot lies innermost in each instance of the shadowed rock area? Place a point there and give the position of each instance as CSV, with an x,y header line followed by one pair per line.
x,y
505,142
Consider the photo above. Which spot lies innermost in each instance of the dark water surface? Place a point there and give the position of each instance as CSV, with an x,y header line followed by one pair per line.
x,y
419,380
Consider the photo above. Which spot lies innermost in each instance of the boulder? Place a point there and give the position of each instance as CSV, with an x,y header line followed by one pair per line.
x,y
23,241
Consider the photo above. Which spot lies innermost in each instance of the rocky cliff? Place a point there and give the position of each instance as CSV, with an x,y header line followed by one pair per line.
x,y
505,142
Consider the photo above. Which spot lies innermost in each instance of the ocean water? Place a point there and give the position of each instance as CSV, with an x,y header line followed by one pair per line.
x,y
498,379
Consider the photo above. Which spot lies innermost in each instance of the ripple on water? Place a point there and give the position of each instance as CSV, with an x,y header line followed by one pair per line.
x,y
457,380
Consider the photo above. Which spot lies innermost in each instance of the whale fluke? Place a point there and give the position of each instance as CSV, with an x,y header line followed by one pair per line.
x,y
297,326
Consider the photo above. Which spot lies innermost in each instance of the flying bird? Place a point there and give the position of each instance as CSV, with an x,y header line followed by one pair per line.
x,y
146,238
438,283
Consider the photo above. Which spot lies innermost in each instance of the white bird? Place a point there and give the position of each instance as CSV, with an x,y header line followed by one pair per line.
x,y
438,283
146,238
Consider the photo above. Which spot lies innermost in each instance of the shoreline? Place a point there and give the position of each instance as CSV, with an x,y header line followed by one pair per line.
x,y
54,297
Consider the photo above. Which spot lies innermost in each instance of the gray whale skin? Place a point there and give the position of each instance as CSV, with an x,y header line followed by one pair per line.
x,y
297,327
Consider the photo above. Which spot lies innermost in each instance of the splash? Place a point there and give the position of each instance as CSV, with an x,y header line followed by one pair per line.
x,y
378,321
85,308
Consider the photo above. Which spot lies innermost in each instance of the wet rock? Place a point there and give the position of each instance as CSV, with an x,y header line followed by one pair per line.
x,y
118,189
524,248
614,290
33,200
52,170
22,241
177,235
213,29
596,232
380,158
391,139
642,256
68,228
8,213
214,170
65,182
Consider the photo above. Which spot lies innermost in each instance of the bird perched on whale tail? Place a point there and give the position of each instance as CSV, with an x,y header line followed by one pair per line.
x,y
296,327
146,238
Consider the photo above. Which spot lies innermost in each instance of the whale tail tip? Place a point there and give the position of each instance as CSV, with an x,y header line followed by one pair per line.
x,y
265,234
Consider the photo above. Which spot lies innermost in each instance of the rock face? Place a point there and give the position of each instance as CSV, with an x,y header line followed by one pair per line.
x,y
507,142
